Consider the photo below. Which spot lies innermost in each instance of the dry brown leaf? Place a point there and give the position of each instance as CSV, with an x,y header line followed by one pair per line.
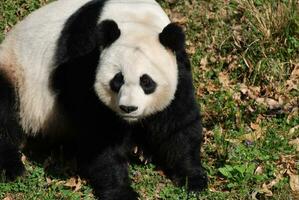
x,y
292,85
178,18
49,181
292,130
74,183
278,178
293,82
191,50
224,79
266,188
295,72
294,113
294,181
255,126
209,87
271,103
233,141
259,170
288,162
253,195
243,88
204,63
295,142
9,197
251,92
251,136
255,135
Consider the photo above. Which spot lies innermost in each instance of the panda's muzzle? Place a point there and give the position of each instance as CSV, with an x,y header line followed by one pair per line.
x,y
128,109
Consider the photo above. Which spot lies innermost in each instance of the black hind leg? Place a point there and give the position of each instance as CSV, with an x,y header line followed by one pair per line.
x,y
10,132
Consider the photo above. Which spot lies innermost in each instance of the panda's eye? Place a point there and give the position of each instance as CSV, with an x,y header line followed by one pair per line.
x,y
147,84
117,82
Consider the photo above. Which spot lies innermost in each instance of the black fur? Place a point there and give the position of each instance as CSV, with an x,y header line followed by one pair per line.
x,y
117,82
173,37
11,134
148,85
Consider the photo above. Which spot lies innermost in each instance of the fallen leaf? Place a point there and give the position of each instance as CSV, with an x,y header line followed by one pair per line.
x,y
259,170
293,82
271,103
288,162
266,188
191,50
253,136
204,62
224,79
253,195
295,143
8,198
233,141
294,181
255,126
178,18
74,183
293,108
251,91
292,130
49,181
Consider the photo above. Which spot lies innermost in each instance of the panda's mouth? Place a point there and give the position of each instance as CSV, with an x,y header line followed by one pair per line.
x,y
130,118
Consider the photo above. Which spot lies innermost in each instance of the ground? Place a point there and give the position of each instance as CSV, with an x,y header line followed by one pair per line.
x,y
245,57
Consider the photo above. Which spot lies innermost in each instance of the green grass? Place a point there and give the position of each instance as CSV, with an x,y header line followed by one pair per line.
x,y
245,57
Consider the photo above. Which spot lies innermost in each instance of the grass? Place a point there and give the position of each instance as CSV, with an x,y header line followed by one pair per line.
x,y
245,57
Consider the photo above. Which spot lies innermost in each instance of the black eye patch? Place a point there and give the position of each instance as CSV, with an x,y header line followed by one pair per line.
x,y
117,82
148,85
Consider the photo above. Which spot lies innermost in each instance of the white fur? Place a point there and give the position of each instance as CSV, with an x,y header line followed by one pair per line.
x,y
28,50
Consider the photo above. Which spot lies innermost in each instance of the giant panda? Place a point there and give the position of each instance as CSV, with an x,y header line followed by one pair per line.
x,y
108,74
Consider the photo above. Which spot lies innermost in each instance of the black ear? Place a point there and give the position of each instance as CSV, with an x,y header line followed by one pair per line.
x,y
108,32
172,37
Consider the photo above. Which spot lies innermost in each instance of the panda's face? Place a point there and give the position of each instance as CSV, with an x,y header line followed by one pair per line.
x,y
136,81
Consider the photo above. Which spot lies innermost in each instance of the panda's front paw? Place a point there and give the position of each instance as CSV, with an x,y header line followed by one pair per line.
x,y
17,169
197,182
118,194
10,162
128,195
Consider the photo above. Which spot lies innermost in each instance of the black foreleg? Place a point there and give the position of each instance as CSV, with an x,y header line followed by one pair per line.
x,y
179,155
108,173
10,132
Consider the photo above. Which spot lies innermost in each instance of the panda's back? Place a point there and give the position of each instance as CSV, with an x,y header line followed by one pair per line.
x,y
28,53
27,57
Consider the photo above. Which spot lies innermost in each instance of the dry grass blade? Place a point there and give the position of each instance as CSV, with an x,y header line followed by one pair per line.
x,y
269,19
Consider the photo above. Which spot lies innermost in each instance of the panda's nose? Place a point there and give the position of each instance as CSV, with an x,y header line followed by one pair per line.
x,y
128,109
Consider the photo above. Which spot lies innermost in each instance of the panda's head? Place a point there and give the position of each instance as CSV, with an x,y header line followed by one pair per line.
x,y
137,75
